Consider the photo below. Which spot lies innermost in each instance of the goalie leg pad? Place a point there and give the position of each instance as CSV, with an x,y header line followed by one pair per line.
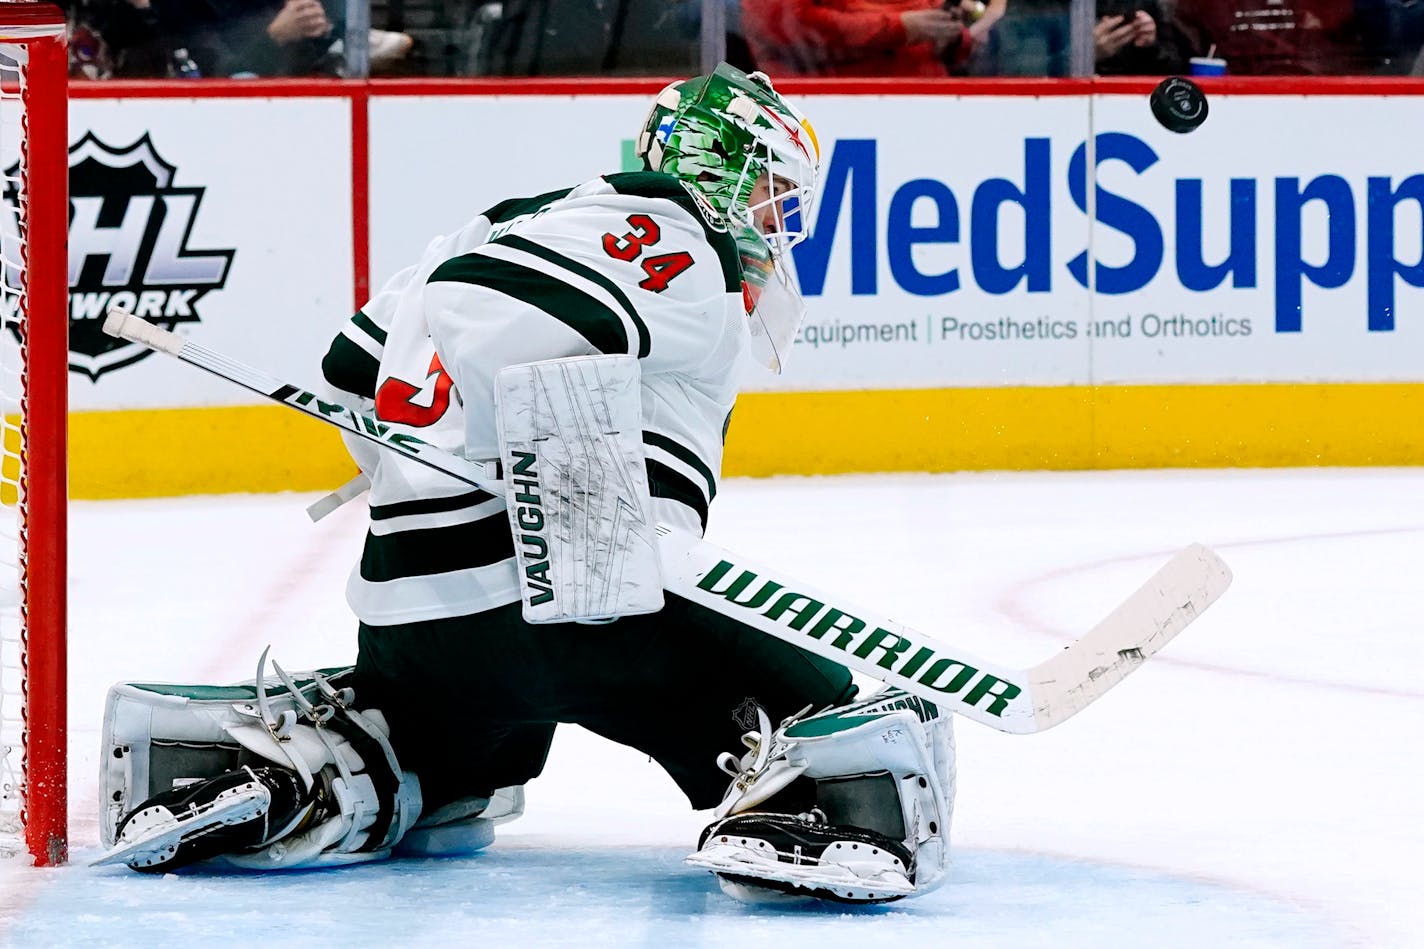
x,y
160,739
852,804
462,827
158,736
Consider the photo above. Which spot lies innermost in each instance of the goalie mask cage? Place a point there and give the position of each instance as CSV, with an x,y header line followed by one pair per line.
x,y
34,358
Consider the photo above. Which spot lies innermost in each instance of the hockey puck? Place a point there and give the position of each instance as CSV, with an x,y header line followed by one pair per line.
x,y
1179,104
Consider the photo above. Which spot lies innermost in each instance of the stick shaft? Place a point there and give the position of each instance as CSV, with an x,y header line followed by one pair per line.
x,y
1018,701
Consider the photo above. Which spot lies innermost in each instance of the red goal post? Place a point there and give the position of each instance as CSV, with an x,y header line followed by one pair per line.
x,y
34,375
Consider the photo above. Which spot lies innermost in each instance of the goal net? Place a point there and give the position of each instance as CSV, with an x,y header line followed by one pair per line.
x,y
33,399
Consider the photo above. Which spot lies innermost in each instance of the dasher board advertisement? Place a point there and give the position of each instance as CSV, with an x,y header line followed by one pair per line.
x,y
958,243
226,218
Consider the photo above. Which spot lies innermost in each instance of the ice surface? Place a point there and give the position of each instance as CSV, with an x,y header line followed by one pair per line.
x,y
1258,783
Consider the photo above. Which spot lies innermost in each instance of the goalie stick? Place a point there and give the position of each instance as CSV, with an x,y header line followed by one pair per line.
x,y
1018,701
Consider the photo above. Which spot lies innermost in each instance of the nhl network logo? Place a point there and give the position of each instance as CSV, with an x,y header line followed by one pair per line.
x,y
128,246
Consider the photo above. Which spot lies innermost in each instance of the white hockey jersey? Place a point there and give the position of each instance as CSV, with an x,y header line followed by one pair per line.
x,y
629,263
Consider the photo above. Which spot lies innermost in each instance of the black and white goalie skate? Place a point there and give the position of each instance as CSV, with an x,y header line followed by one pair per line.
x,y
803,855
239,811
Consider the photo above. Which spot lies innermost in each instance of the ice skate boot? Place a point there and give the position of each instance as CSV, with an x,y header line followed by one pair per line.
x,y
234,812
805,856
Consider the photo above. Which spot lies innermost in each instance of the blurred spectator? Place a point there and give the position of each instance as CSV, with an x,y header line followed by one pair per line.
x,y
193,38
577,38
387,49
1131,38
252,37
1394,31
1287,37
865,37
1135,38
738,53
109,38
1034,38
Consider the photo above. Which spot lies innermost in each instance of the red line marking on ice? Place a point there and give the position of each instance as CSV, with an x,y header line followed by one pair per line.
x,y
1010,605
257,625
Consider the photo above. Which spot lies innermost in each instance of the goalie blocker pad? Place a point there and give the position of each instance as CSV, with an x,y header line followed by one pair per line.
x,y
576,488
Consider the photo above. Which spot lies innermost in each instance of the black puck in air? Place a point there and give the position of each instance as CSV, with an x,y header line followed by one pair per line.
x,y
1179,104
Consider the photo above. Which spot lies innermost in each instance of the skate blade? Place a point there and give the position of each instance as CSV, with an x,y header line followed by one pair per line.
x,y
837,878
164,837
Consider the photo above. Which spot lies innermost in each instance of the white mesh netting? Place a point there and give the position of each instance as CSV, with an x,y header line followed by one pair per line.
x,y
12,685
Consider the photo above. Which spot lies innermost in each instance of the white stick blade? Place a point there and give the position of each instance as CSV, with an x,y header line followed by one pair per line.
x,y
1145,622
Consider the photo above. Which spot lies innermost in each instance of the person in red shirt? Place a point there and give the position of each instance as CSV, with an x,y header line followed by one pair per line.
x,y
865,37
1281,37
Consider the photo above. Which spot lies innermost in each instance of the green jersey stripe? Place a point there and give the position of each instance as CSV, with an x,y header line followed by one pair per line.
x,y
664,482
517,207
434,550
589,274
686,455
369,327
382,512
584,314
350,368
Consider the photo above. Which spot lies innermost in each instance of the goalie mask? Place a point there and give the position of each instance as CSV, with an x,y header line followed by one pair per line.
x,y
753,158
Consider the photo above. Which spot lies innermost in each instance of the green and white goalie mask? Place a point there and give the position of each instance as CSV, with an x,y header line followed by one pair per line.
x,y
754,159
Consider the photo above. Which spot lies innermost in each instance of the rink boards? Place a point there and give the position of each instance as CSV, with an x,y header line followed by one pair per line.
x,y
1246,295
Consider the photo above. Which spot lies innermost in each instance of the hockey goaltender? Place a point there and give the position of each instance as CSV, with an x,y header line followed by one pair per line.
x,y
585,344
